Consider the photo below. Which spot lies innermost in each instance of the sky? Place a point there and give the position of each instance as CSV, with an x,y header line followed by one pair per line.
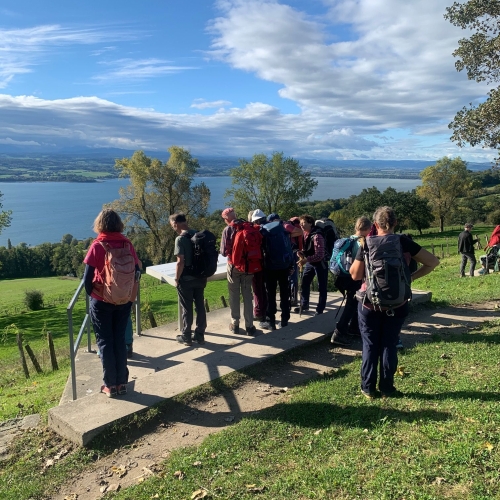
x,y
326,79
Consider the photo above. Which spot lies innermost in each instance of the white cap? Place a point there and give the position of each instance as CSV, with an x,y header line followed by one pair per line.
x,y
257,214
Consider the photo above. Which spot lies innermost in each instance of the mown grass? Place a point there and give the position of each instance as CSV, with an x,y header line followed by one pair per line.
x,y
440,440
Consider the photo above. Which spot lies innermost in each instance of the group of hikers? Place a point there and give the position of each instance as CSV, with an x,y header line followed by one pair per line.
x,y
265,256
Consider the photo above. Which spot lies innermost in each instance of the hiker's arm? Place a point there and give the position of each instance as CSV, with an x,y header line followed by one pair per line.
x,y
428,261
357,270
88,278
179,268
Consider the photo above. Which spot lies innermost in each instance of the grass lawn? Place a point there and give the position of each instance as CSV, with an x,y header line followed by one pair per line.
x,y
325,440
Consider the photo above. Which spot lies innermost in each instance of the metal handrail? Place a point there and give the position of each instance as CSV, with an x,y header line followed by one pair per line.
x,y
74,346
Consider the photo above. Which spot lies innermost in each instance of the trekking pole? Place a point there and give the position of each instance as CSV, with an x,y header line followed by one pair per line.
x,y
301,274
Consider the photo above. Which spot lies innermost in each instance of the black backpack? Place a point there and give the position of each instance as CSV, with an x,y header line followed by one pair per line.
x,y
205,255
278,252
330,234
387,275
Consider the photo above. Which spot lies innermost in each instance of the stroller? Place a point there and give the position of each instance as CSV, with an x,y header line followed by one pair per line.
x,y
491,259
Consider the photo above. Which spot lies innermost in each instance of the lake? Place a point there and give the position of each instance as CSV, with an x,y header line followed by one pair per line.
x,y
45,211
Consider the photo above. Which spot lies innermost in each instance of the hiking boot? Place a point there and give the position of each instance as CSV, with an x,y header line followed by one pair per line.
x,y
251,330
297,309
369,394
110,392
182,340
339,338
234,328
199,338
122,389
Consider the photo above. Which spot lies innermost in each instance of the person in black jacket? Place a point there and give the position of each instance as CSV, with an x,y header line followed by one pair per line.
x,y
466,248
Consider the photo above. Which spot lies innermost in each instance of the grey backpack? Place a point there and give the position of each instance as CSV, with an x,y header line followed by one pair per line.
x,y
387,275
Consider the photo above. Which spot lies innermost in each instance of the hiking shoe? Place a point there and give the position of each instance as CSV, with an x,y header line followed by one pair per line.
x,y
234,328
297,309
339,338
368,394
182,340
110,392
122,389
400,345
199,339
251,330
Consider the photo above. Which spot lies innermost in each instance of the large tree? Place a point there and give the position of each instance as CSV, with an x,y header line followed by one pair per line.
x,y
273,184
443,183
479,54
158,190
5,218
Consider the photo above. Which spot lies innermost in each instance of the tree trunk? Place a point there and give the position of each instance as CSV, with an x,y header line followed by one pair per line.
x,y
441,223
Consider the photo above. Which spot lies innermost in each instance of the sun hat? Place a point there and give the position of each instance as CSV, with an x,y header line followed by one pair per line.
x,y
258,214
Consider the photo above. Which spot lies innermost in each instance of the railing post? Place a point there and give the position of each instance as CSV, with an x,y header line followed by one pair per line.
x,y
72,351
138,311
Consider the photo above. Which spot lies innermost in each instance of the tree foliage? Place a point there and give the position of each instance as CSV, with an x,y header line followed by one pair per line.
x,y
5,216
273,184
443,183
158,190
479,56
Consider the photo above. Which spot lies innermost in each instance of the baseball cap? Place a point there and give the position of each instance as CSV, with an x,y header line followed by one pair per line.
x,y
272,217
226,212
258,214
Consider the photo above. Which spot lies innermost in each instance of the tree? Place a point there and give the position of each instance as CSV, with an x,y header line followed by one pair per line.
x,y
5,217
158,190
274,184
443,183
478,54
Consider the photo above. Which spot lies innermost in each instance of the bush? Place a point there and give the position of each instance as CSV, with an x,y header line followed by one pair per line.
x,y
33,300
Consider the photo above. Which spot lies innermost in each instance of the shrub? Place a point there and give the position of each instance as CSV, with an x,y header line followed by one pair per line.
x,y
33,299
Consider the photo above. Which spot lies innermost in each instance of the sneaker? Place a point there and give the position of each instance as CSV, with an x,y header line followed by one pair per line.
x,y
265,325
251,330
234,328
297,309
122,389
482,271
199,338
98,353
400,345
339,338
130,351
317,313
109,391
182,340
280,325
368,394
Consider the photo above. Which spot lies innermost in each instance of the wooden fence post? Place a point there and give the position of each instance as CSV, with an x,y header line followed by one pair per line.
x,y
223,300
52,351
442,250
207,308
21,353
432,246
32,356
448,247
152,319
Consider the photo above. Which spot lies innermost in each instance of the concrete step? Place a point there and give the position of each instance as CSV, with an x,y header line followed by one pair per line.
x,y
162,368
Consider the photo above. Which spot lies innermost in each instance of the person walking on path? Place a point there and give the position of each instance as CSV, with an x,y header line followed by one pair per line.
x,y
237,281
278,265
381,326
190,289
466,248
259,292
312,260
111,296
348,322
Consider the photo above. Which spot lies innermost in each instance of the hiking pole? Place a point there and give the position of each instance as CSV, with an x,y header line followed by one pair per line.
x,y
301,274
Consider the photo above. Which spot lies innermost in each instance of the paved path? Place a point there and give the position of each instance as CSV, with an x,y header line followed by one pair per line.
x,y
162,368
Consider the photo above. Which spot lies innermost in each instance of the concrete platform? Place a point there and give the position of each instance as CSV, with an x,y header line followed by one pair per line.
x,y
162,368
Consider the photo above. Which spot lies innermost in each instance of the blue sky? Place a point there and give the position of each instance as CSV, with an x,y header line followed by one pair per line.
x,y
332,79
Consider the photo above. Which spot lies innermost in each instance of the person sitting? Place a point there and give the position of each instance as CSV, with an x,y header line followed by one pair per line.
x,y
490,259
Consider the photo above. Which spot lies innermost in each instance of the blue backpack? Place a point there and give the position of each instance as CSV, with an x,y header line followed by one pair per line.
x,y
342,257
277,247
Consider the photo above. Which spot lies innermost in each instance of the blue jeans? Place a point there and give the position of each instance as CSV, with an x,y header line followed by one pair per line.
x,y
380,333
192,292
310,270
110,322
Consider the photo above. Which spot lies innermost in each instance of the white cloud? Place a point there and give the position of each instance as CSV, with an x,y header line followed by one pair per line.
x,y
130,69
8,140
202,104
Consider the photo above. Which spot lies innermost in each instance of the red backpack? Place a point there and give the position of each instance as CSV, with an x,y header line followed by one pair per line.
x,y
246,254
118,275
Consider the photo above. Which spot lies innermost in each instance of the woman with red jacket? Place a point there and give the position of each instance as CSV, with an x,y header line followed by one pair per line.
x,y
109,316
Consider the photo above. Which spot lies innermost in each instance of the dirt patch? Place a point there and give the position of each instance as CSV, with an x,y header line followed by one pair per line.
x,y
189,424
